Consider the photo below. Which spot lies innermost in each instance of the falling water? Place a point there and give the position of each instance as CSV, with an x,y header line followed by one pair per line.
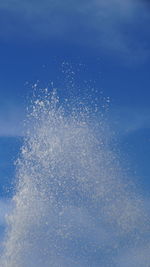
x,y
73,206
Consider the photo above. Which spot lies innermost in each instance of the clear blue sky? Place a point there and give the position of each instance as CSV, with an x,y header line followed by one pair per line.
x,y
107,43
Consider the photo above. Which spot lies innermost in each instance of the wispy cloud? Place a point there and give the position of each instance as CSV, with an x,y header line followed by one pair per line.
x,y
11,121
121,26
128,120
5,208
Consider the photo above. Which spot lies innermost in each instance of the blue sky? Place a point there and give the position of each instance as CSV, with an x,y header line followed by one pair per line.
x,y
106,45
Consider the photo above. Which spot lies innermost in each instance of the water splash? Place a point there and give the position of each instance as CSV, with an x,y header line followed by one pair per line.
x,y
72,207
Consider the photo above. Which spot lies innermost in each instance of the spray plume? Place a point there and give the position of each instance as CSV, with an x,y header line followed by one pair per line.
x,y
72,207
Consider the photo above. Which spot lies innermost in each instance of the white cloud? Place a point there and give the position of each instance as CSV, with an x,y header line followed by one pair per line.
x,y
112,23
11,121
129,120
5,208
